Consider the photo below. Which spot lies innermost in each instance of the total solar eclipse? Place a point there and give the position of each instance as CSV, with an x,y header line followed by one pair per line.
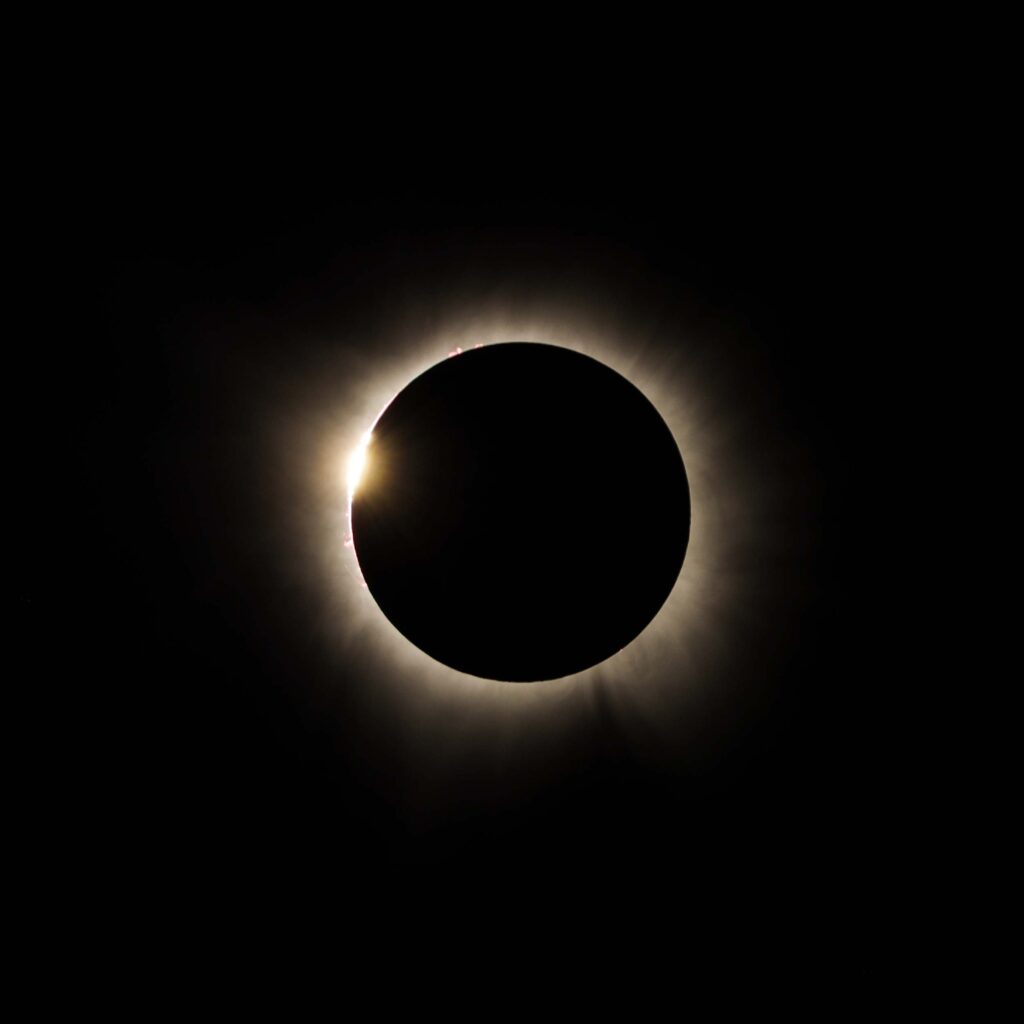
x,y
520,512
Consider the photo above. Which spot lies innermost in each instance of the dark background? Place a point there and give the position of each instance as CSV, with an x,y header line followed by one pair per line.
x,y
190,763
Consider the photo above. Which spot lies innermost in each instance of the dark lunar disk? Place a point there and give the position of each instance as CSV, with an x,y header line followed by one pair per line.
x,y
524,513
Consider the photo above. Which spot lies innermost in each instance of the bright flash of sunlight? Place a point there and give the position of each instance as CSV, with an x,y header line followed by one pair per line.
x,y
356,464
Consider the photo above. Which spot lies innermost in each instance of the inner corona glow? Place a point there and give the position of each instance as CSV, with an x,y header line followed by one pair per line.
x,y
678,660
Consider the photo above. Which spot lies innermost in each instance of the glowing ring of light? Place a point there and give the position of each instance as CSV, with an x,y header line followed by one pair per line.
x,y
684,654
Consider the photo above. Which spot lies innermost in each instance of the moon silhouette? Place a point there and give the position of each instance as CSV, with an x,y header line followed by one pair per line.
x,y
522,512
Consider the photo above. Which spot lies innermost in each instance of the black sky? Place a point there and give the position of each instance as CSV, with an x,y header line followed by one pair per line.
x,y
204,758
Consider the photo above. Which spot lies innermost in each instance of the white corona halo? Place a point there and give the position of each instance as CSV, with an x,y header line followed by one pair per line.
x,y
679,662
